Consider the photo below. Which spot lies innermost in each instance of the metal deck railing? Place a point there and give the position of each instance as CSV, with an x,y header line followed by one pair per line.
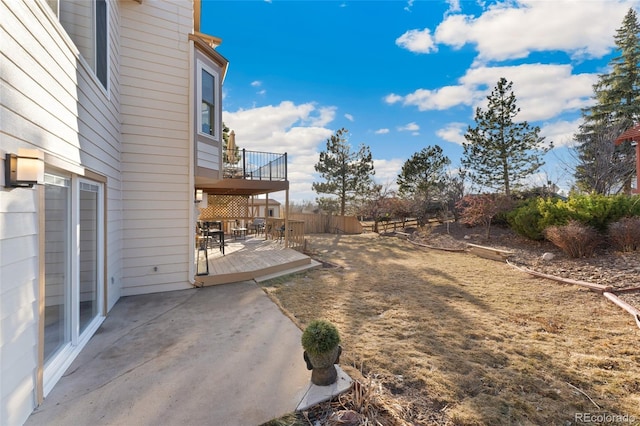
x,y
257,165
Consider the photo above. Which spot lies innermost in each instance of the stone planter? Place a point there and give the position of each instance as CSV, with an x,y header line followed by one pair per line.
x,y
322,366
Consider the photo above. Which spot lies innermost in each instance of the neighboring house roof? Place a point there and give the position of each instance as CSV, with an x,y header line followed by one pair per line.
x,y
261,201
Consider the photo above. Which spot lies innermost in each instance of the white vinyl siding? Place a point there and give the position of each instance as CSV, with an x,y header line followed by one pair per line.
x,y
51,100
208,156
154,74
18,303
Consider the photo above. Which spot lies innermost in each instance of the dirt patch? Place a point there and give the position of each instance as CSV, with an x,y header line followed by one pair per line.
x,y
450,338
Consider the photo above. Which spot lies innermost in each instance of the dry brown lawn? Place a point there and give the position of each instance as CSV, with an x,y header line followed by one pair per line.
x,y
456,339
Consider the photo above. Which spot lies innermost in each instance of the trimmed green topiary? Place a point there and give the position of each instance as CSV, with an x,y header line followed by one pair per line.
x,y
320,337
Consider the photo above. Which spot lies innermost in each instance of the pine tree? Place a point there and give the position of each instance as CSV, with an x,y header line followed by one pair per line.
x,y
346,173
423,172
603,168
424,179
500,153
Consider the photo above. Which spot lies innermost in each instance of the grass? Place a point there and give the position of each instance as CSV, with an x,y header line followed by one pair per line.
x,y
453,339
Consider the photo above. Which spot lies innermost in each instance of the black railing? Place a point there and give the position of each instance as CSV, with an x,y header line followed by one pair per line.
x,y
256,165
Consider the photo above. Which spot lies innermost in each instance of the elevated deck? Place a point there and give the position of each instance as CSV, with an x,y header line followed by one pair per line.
x,y
249,259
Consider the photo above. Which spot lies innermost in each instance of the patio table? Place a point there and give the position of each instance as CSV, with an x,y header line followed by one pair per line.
x,y
239,233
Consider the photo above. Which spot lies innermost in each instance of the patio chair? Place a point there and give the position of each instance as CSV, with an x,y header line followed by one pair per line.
x,y
257,225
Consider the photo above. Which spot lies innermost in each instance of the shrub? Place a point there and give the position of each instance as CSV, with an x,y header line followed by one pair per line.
x,y
525,220
319,337
481,209
594,210
574,238
624,235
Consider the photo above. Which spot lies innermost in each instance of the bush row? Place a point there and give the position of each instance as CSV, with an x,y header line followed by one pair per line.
x,y
581,223
533,216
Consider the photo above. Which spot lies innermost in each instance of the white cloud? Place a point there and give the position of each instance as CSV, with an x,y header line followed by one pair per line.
x,y
297,129
381,131
454,6
560,132
393,98
387,171
417,41
256,83
514,29
542,91
324,117
453,132
409,5
410,127
348,117
443,98
261,92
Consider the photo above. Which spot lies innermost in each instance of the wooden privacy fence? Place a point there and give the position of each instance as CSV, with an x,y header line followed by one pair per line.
x,y
327,224
390,225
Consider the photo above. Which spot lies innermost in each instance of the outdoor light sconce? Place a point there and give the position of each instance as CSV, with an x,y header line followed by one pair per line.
x,y
201,199
23,171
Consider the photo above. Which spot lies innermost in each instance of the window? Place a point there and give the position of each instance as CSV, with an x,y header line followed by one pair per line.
x,y
86,23
207,85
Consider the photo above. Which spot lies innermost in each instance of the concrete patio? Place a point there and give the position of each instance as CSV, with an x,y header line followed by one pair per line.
x,y
221,355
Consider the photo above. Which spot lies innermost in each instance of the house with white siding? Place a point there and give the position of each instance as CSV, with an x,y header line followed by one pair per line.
x,y
262,207
110,121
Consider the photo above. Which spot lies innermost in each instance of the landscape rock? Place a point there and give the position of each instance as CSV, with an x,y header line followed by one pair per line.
x,y
548,256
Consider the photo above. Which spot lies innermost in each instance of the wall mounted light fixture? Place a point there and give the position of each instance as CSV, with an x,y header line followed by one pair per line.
x,y
201,199
23,171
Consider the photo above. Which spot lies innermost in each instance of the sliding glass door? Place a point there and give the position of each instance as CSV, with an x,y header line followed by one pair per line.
x,y
57,297
89,301
73,251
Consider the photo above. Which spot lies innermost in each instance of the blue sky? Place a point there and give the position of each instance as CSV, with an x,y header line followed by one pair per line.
x,y
404,75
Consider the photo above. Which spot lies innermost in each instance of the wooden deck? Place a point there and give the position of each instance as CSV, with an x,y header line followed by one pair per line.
x,y
248,259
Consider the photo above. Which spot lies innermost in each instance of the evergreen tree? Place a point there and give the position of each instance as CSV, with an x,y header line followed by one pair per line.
x,y
423,178
423,172
346,173
499,153
602,168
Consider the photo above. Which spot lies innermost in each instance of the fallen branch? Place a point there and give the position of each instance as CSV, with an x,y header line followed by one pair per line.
x,y
595,287
624,305
489,252
584,393
626,290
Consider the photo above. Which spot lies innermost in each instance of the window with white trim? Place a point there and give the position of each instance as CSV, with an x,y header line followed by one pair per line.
x,y
207,102
86,23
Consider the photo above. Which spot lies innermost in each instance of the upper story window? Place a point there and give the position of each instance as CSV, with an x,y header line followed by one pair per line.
x,y
86,23
207,104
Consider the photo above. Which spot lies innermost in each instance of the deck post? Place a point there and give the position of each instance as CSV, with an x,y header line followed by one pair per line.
x,y
286,219
266,215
